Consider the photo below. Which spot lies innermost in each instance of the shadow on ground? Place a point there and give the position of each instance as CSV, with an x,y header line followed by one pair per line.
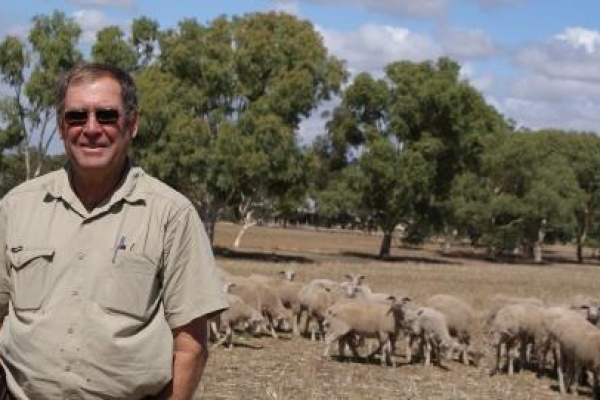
x,y
225,252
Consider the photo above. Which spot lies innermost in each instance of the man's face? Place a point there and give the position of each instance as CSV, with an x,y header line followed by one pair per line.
x,y
94,129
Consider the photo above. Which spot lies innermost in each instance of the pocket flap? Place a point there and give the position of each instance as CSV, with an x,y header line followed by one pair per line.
x,y
23,257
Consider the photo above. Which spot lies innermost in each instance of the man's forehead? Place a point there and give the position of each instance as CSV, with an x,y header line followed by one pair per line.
x,y
101,89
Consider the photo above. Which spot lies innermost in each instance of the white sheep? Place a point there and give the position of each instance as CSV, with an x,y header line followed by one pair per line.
x,y
262,298
237,313
462,322
431,327
513,324
579,344
288,292
348,320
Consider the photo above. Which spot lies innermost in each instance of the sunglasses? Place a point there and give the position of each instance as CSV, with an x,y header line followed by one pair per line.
x,y
104,116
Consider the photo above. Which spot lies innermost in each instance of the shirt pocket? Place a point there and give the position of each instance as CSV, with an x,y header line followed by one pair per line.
x,y
29,276
130,287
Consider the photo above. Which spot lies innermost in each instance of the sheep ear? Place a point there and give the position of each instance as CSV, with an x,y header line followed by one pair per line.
x,y
361,278
406,299
349,277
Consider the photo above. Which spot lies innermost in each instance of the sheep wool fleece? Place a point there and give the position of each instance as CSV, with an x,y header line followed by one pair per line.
x,y
89,299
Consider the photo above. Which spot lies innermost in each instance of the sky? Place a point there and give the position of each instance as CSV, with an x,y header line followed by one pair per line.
x,y
536,61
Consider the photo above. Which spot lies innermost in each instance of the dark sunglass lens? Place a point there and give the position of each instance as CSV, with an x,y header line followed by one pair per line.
x,y
107,116
76,117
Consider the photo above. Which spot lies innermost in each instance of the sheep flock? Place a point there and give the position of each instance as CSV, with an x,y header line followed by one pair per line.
x,y
352,322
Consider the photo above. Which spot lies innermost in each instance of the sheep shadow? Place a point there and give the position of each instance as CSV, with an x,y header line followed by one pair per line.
x,y
224,252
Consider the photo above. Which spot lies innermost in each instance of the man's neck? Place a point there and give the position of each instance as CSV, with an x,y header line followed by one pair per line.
x,y
94,189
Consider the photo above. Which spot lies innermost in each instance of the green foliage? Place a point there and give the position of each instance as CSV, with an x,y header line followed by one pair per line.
x,y
241,86
31,70
526,183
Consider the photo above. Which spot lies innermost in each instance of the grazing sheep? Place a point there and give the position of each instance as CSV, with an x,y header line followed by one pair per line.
x,y
579,344
431,327
237,313
461,319
262,298
517,323
287,291
347,320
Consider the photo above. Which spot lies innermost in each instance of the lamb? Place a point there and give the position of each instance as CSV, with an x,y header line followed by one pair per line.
x,y
461,319
517,323
237,313
262,298
431,326
366,319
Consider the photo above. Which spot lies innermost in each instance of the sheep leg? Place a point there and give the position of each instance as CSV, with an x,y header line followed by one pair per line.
x,y
510,359
329,339
427,351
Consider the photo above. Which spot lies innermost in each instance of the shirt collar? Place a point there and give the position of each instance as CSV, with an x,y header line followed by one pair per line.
x,y
128,189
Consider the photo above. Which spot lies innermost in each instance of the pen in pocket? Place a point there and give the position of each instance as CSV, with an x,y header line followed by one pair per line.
x,y
120,245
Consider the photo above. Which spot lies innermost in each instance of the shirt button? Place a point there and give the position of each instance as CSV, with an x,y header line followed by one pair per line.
x,y
81,255
70,331
74,293
68,368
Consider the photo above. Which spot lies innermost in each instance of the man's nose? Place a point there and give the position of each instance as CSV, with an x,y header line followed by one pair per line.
x,y
92,125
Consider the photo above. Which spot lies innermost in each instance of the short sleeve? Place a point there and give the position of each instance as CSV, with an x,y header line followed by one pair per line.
x,y
191,285
4,277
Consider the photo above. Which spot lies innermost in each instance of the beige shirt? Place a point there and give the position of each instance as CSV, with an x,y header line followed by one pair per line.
x,y
90,298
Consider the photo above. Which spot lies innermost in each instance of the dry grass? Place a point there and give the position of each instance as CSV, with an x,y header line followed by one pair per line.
x,y
293,368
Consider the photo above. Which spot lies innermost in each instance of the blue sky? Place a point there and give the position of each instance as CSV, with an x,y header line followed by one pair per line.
x,y
536,61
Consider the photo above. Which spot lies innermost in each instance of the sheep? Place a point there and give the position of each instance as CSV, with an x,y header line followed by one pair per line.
x,y
262,298
500,300
346,320
431,327
588,307
237,313
461,319
579,344
517,323
287,291
318,295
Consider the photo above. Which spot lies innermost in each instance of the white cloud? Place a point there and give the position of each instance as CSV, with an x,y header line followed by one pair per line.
x,y
371,47
466,44
569,115
409,8
573,54
104,3
286,6
580,38
91,21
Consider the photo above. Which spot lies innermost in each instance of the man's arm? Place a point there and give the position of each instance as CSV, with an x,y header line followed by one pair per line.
x,y
190,353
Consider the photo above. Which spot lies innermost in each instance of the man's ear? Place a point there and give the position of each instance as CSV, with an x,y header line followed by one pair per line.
x,y
133,126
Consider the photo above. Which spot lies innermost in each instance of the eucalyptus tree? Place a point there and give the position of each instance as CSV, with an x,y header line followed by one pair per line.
x,y
525,189
129,53
238,90
30,69
433,123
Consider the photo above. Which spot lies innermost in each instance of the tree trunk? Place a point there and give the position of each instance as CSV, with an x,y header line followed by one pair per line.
x,y
583,229
248,223
386,245
537,247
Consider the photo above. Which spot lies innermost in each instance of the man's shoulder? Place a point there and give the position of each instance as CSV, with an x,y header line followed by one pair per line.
x,y
40,184
155,189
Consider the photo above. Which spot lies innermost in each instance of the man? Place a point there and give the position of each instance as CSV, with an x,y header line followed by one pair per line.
x,y
106,274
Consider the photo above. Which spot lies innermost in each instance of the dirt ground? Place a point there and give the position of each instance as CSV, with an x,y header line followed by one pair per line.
x,y
294,368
